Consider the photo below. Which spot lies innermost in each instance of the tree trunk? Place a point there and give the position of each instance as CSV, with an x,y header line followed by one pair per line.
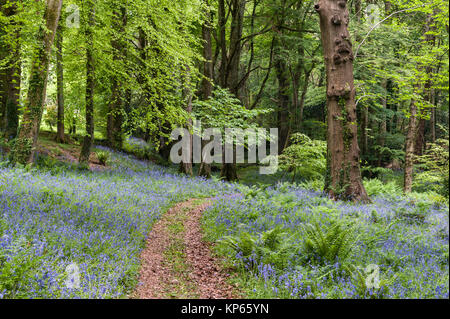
x,y
186,166
207,86
283,100
383,126
419,144
90,84
208,75
433,116
11,76
60,137
23,150
344,176
409,148
223,44
231,68
115,115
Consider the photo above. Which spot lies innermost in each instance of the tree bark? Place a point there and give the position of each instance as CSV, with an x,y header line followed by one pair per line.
x,y
208,75
419,144
115,111
283,99
230,62
90,84
186,166
409,148
60,137
11,76
23,150
343,180
383,126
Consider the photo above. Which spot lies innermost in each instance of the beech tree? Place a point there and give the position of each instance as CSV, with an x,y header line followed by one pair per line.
x,y
344,177
60,136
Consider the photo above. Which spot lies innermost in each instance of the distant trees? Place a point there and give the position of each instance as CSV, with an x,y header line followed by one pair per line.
x,y
144,67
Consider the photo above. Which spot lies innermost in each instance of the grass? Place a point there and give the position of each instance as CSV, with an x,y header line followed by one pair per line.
x,y
175,256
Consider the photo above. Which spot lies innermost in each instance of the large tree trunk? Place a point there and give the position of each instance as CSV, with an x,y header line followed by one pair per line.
x,y
115,112
90,83
344,176
11,76
230,62
23,150
60,137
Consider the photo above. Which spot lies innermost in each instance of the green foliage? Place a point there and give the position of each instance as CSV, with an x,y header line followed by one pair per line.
x,y
223,109
51,116
435,162
270,247
103,157
331,243
376,187
16,271
304,157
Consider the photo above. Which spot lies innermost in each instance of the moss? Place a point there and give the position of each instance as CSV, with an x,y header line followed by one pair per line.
x,y
21,150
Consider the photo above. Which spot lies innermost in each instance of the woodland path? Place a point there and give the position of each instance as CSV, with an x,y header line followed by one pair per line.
x,y
177,263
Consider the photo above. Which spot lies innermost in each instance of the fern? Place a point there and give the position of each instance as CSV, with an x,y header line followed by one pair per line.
x,y
334,243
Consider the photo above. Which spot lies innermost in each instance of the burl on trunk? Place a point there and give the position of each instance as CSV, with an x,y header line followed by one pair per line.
x,y
343,180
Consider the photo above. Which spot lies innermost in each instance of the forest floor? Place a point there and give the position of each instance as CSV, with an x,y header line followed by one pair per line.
x,y
68,152
177,262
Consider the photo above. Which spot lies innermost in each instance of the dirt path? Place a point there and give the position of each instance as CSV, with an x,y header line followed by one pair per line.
x,y
177,263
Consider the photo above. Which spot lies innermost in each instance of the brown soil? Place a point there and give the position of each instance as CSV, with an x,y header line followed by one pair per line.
x,y
200,277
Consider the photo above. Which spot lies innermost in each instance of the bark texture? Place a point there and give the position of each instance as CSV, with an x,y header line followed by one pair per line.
x,y
90,83
23,150
409,148
230,68
10,77
343,176
60,137
208,75
115,112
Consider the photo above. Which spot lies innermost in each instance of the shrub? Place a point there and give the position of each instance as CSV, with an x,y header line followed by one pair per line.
x,y
304,157
51,114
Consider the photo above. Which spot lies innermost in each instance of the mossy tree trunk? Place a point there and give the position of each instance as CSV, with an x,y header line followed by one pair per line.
x,y
60,136
343,175
11,76
90,84
25,144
